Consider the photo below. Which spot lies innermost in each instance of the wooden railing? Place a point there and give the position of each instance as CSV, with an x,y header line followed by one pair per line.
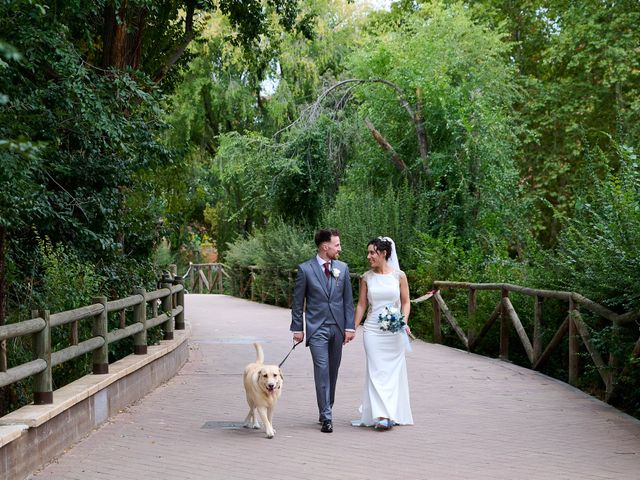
x,y
210,277
205,277
261,290
573,325
170,296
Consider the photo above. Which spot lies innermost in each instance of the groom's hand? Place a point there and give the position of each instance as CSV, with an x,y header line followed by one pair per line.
x,y
298,336
348,336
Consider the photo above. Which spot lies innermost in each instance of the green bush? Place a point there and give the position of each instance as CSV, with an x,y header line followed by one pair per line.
x,y
66,281
363,215
597,253
162,255
275,252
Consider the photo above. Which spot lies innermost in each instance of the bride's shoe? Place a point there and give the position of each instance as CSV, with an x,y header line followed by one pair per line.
x,y
383,424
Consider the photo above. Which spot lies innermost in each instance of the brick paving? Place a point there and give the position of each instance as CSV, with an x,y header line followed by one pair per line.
x,y
475,418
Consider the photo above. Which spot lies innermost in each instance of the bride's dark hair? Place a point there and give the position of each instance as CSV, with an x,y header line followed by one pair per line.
x,y
381,245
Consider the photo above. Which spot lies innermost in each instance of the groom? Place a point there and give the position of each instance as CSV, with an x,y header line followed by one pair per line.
x,y
323,281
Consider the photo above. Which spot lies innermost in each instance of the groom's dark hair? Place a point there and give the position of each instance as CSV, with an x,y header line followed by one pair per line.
x,y
325,235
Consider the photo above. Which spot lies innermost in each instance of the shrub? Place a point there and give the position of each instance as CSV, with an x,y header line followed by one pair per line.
x,y
363,215
597,253
275,251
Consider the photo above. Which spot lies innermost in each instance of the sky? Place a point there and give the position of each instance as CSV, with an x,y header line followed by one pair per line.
x,y
377,4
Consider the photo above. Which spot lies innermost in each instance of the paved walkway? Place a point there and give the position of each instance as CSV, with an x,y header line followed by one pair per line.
x,y
476,418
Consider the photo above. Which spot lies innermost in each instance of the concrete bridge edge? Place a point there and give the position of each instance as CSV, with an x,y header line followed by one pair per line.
x,y
34,435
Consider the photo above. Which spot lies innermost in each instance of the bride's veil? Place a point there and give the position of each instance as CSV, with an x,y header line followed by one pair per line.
x,y
392,261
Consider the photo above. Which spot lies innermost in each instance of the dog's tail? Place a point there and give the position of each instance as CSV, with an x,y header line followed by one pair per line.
x,y
259,353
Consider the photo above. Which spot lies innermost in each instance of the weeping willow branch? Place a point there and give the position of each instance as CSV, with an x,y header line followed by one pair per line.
x,y
387,147
311,114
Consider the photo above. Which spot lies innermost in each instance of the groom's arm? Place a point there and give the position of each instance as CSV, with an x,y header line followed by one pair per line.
x,y
298,301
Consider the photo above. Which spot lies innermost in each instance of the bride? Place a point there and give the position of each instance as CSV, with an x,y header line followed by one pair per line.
x,y
385,397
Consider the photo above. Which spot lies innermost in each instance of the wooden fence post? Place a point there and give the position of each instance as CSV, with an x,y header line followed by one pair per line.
x,y
613,362
73,331
180,303
504,327
252,279
472,308
574,347
43,381
167,303
3,347
140,316
437,321
210,278
101,329
537,327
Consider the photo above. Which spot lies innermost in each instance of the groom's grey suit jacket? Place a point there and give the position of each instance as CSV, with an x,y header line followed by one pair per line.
x,y
330,302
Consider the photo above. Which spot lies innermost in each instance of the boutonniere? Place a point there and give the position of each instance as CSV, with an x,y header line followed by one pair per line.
x,y
335,272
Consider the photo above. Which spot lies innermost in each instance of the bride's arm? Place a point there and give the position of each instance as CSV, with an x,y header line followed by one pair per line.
x,y
362,302
405,301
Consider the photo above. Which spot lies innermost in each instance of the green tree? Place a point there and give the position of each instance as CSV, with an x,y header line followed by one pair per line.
x,y
579,66
257,93
86,91
21,197
453,73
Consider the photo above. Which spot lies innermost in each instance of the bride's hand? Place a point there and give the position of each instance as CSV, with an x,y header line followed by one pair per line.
x,y
408,330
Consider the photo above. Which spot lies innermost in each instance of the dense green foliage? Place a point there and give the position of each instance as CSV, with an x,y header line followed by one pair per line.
x,y
81,144
597,251
579,65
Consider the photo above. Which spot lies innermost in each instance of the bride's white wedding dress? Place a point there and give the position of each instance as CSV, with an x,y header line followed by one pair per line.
x,y
386,389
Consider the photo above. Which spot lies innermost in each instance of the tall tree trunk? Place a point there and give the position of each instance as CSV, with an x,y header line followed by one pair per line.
x,y
119,41
189,35
114,35
109,20
134,40
211,123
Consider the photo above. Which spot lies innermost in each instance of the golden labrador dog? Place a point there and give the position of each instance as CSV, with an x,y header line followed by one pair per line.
x,y
263,386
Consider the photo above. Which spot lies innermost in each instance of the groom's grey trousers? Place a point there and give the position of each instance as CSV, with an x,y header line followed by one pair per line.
x,y
326,351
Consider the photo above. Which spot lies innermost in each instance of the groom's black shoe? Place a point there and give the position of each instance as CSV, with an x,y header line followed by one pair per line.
x,y
327,426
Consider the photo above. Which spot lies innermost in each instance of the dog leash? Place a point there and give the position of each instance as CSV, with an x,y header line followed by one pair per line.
x,y
292,348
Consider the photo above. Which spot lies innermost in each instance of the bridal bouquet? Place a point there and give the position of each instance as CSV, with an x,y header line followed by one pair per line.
x,y
391,319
